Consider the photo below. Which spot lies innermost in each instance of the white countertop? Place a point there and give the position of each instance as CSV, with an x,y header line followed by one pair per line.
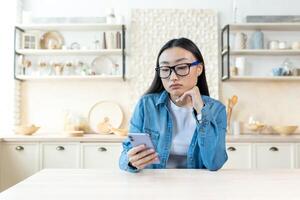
x,y
256,138
62,138
81,184
114,138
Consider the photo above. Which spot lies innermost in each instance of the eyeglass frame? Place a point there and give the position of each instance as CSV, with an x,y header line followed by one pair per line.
x,y
172,68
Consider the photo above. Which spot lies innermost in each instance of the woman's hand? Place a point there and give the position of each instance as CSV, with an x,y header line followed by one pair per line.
x,y
192,98
140,156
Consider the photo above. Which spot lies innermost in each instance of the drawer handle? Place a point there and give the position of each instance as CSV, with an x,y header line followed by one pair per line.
x,y
19,148
60,148
274,149
102,149
231,149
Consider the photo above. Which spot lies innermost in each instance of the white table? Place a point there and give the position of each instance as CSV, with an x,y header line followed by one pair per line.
x,y
86,184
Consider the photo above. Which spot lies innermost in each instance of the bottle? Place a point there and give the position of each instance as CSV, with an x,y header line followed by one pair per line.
x,y
257,40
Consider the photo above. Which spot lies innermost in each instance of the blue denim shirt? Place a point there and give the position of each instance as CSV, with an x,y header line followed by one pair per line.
x,y
207,148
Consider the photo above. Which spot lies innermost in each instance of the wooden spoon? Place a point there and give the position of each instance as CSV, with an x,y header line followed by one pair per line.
x,y
231,103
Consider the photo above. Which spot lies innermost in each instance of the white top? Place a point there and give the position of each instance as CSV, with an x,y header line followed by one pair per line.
x,y
184,125
95,184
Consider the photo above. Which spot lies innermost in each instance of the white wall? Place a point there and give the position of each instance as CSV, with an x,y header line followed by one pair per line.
x,y
97,7
7,20
61,8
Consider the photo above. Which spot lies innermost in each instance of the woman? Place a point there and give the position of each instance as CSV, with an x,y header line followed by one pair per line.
x,y
187,127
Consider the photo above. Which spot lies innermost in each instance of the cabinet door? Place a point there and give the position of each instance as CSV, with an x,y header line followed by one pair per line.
x,y
274,155
60,155
101,155
18,161
239,156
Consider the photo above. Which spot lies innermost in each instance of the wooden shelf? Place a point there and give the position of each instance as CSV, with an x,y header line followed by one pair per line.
x,y
263,52
264,78
96,77
265,26
68,52
71,27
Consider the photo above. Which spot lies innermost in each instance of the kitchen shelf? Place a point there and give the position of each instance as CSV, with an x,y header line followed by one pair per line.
x,y
264,78
90,27
96,77
39,52
227,52
70,27
265,26
263,52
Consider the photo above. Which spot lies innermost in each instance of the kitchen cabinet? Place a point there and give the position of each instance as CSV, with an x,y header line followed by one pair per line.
x,y
274,155
1,161
60,155
257,63
261,156
18,161
22,159
100,155
297,155
95,59
239,156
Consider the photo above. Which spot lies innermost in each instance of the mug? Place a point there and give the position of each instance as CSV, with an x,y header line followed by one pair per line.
x,y
282,45
274,44
240,40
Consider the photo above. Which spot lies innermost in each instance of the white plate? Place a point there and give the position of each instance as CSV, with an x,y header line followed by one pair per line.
x,y
102,65
104,109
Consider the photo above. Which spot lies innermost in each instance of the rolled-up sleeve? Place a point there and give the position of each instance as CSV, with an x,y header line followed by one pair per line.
x,y
135,126
211,130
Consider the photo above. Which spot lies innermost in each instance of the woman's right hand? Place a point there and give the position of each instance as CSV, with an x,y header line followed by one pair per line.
x,y
140,156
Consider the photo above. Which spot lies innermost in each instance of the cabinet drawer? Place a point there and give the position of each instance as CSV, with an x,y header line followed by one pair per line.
x,y
101,155
274,155
60,155
18,161
239,156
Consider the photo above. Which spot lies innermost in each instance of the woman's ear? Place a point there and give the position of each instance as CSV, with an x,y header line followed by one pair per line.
x,y
199,69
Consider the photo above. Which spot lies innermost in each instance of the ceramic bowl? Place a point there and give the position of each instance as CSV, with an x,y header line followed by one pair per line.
x,y
284,130
26,130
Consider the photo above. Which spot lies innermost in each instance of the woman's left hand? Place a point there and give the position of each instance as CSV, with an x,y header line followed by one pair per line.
x,y
192,98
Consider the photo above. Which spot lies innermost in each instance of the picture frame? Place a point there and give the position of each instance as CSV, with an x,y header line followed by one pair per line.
x,y
30,41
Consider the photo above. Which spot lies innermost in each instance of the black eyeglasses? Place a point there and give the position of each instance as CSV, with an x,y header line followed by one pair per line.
x,y
182,69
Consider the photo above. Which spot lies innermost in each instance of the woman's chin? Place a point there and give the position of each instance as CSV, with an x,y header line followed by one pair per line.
x,y
176,93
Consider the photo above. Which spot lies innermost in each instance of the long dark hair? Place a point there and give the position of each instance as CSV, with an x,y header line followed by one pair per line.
x,y
157,86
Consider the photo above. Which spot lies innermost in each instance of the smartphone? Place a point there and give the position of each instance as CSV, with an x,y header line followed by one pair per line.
x,y
137,139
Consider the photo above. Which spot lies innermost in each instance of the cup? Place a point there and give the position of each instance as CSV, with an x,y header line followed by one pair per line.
x,y
282,45
274,44
236,128
277,71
